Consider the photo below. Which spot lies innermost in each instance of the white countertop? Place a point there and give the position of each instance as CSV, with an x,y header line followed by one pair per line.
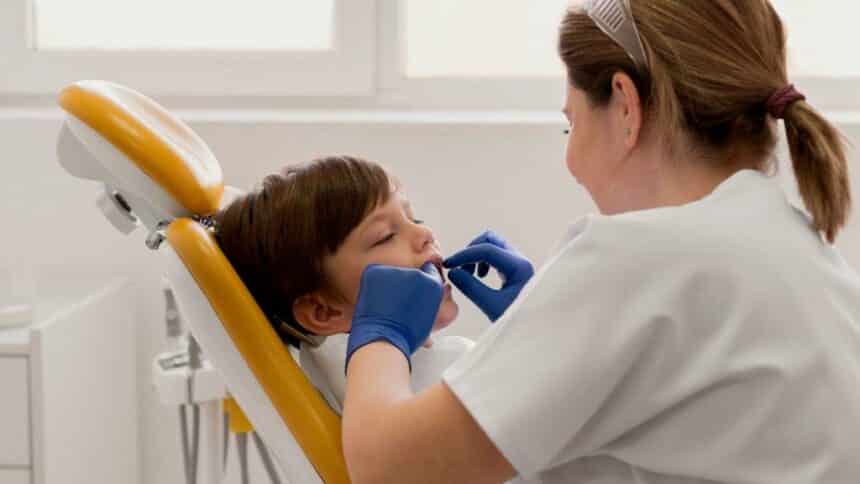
x,y
55,294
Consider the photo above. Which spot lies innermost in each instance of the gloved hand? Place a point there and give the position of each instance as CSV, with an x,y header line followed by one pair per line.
x,y
396,305
489,249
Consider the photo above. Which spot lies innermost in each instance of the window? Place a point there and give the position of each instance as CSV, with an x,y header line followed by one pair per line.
x,y
821,37
517,37
486,51
191,47
184,25
481,38
474,55
400,54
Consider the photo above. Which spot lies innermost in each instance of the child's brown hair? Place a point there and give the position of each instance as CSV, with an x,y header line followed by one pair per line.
x,y
277,236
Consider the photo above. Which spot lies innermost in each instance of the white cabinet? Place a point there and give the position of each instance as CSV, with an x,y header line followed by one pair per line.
x,y
14,476
14,413
68,397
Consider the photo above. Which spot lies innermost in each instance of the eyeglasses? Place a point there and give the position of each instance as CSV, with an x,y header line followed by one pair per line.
x,y
615,19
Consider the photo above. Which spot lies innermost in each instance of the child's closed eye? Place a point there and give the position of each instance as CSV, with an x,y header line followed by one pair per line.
x,y
384,240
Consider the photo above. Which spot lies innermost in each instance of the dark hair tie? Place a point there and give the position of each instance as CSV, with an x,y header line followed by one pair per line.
x,y
782,99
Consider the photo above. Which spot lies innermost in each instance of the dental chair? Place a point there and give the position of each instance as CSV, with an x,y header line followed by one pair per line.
x,y
158,173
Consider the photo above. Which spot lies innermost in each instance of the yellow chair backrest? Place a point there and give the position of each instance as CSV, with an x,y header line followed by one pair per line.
x,y
311,421
150,154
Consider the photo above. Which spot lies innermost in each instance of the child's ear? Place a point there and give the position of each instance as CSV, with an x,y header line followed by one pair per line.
x,y
319,315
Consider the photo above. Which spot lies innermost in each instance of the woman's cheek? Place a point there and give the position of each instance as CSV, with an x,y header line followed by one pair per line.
x,y
571,155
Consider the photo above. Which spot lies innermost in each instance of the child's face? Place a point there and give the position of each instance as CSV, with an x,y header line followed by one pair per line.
x,y
389,235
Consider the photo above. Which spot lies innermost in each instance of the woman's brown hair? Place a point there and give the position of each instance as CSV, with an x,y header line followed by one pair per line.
x,y
712,66
277,235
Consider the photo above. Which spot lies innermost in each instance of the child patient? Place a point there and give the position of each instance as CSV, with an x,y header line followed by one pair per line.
x,y
300,244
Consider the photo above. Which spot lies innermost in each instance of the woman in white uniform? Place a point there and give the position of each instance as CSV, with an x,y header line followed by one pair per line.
x,y
700,329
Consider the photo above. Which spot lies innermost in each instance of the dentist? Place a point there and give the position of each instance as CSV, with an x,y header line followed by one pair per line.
x,y
700,329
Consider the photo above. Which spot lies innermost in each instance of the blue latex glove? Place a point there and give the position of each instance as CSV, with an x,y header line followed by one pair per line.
x,y
396,305
487,250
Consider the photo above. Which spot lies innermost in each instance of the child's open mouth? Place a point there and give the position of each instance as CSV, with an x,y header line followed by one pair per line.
x,y
437,261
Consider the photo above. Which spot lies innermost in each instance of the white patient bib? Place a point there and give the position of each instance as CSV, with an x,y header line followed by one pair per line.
x,y
325,365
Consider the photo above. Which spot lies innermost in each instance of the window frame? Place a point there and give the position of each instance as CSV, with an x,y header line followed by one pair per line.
x,y
467,93
30,71
365,70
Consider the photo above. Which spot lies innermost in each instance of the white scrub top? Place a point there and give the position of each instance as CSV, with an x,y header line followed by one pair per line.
x,y
714,342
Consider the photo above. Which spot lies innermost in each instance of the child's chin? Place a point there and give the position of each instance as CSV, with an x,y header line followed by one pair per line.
x,y
447,314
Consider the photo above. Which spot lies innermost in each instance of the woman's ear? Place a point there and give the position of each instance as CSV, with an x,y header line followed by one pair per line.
x,y
629,106
320,315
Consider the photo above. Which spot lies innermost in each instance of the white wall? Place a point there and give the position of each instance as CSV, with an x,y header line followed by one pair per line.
x,y
462,177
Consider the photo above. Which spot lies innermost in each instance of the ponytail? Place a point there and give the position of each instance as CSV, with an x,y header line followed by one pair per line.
x,y
820,166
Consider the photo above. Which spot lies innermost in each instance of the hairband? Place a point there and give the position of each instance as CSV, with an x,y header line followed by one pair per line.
x,y
782,99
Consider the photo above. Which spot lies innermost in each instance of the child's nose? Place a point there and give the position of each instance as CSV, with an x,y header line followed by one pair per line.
x,y
424,238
